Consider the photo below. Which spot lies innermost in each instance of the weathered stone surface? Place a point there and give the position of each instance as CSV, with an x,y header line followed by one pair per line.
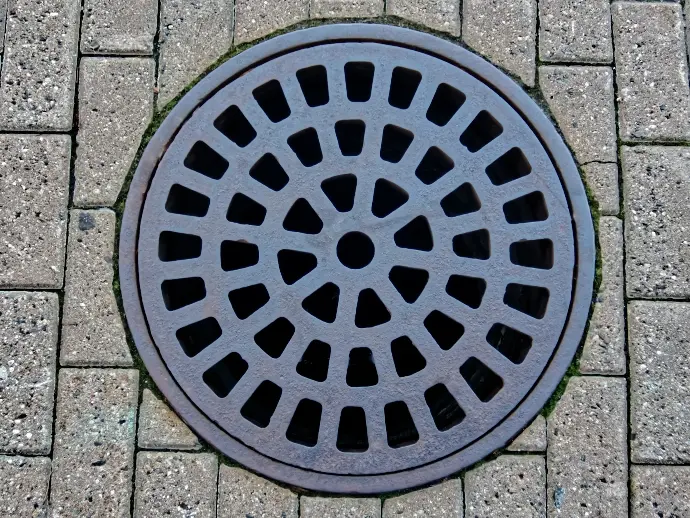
x,y
92,331
532,438
94,442
115,107
28,344
346,8
318,507
176,484
572,30
660,491
24,482
119,26
504,32
34,182
442,15
511,485
657,231
602,180
193,36
581,100
652,71
587,449
257,18
442,500
241,493
604,350
3,19
39,65
160,428
659,381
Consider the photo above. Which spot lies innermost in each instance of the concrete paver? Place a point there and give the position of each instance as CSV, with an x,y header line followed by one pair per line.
x,y
241,493
24,482
160,428
119,26
441,15
443,500
255,19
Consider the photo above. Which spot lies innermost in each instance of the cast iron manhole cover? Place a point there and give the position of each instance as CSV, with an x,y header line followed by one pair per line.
x,y
357,258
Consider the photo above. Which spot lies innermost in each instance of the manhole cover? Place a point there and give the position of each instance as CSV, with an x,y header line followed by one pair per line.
x,y
357,258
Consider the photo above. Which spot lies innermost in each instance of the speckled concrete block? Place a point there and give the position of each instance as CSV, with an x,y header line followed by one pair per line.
x,y
532,438
587,454
511,485
442,15
28,344
34,182
119,26
24,482
160,428
657,231
176,484
442,500
39,66
94,442
319,507
193,36
115,107
652,71
660,491
604,350
504,32
602,180
3,19
581,100
257,18
346,8
240,493
659,381
575,31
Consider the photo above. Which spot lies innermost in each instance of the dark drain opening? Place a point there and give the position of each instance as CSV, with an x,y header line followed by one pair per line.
x,y
274,338
175,246
407,358
404,84
394,143
294,265
314,84
323,303
304,426
306,146
340,190
261,405
410,282
371,311
350,135
196,337
269,172
443,329
359,78
388,198
245,211
272,100
484,382
234,125
224,375
352,431
361,370
235,255
445,104
443,407
178,293
315,360
187,202
400,427
203,159
434,166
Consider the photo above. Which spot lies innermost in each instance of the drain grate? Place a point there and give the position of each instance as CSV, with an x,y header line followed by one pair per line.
x,y
357,258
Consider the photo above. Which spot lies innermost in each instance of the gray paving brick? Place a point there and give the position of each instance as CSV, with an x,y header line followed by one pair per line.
x,y
532,438
193,36
575,31
92,331
93,459
657,230
587,449
511,485
119,26
652,71
604,350
160,428
659,381
257,18
602,180
176,484
504,32
581,100
442,500
442,15
660,491
28,345
34,182
115,107
24,482
39,65
346,8
242,494
319,507
3,19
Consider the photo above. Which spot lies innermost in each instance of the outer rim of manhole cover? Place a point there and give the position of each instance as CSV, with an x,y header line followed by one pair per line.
x,y
520,416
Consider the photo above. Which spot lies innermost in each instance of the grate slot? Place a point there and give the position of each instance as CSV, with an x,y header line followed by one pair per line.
x,y
406,357
443,329
235,255
175,246
187,202
461,201
196,337
404,84
261,405
350,135
434,165
178,293
205,160
444,409
224,375
484,382
445,104
274,338
314,361
269,172
271,98
305,423
361,369
400,428
248,300
410,282
234,125
359,79
352,430
314,84
394,143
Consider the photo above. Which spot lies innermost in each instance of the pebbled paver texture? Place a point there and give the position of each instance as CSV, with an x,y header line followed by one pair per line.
x,y
242,493
160,428
319,507
603,182
119,26
255,19
660,491
440,501
441,15
24,486
532,438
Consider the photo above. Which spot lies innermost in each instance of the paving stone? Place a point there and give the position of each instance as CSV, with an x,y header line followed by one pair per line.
x,y
652,71
511,485
442,500
657,231
160,428
257,18
28,345
39,65
504,32
93,458
532,438
242,494
587,449
581,100
34,182
442,15
192,37
575,31
346,8
319,507
119,26
660,491
602,180
604,350
24,482
176,484
3,18
659,381
115,107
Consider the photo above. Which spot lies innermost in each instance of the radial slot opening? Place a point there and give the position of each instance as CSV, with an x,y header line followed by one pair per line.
x,y
178,293
305,144
445,104
245,211
535,253
235,255
248,300
261,405
323,303
352,430
443,407
443,329
196,337
205,160
394,143
224,375
274,338
272,100
350,135
361,369
468,290
526,209
187,202
314,361
434,166
175,246
370,312
294,265
416,235
355,250
461,201
340,190
302,218
482,130
359,78
531,300
234,125
305,423
269,172
474,245
511,343
314,84
410,282
388,198
400,428
484,382
508,167
404,84
406,357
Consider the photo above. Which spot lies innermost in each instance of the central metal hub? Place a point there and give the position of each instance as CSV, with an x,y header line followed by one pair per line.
x,y
355,250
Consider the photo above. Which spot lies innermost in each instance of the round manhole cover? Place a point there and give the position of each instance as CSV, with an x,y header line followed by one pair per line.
x,y
357,258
